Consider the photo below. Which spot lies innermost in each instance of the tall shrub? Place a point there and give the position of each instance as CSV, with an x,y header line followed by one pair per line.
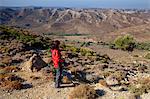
x,y
125,42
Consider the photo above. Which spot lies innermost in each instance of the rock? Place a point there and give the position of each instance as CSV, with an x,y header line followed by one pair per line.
x,y
119,88
92,78
112,80
47,60
35,63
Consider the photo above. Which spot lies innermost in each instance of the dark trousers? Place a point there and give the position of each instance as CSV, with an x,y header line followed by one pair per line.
x,y
58,77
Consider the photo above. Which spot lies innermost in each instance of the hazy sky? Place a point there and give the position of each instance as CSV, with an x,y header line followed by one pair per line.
x,y
79,3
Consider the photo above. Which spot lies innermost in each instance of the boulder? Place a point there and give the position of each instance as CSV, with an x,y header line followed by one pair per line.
x,y
35,63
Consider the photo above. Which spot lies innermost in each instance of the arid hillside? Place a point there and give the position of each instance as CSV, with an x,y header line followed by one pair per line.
x,y
106,53
70,20
100,70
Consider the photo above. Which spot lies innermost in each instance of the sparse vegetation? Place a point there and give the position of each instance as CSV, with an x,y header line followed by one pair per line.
x,y
25,57
10,82
6,60
86,44
119,75
106,73
147,56
8,69
83,92
143,46
83,51
11,85
125,42
65,34
31,40
141,86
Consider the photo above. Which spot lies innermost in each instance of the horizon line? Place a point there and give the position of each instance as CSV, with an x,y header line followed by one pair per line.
x,y
74,7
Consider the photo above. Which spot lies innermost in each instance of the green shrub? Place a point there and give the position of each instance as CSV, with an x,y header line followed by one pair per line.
x,y
85,52
124,42
83,44
143,46
31,40
112,46
86,44
71,48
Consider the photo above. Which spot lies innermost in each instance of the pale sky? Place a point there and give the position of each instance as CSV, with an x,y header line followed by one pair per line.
x,y
79,3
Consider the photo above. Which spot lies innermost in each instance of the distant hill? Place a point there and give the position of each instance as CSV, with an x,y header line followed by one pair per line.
x,y
71,20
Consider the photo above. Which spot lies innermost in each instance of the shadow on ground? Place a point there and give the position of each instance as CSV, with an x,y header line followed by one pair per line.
x,y
100,92
26,86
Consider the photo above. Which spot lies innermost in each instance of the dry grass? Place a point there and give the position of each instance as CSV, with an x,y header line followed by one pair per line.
x,y
11,85
10,82
66,80
147,56
106,73
140,86
73,70
34,77
83,92
6,60
103,83
10,69
119,75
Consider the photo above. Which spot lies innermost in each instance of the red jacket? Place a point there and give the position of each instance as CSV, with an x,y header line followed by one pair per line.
x,y
56,57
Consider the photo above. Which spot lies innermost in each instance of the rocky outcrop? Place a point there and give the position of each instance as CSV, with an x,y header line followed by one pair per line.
x,y
35,63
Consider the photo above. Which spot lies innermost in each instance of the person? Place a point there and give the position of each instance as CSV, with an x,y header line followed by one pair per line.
x,y
56,59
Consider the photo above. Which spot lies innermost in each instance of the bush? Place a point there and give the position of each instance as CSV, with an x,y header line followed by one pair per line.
x,y
125,42
86,44
10,33
83,92
82,44
119,75
11,85
10,82
143,46
141,86
86,52
147,56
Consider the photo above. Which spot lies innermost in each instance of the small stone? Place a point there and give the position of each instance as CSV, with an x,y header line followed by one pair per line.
x,y
111,80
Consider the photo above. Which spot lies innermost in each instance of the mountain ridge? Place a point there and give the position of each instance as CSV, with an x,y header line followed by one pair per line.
x,y
71,20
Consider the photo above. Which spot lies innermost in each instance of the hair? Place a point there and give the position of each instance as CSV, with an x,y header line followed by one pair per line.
x,y
55,44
